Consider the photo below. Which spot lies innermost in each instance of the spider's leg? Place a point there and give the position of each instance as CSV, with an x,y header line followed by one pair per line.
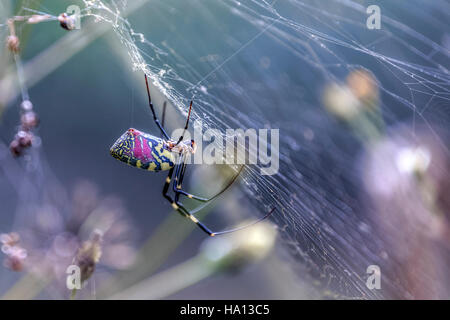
x,y
163,117
185,212
186,125
178,191
167,184
165,191
177,205
179,176
155,118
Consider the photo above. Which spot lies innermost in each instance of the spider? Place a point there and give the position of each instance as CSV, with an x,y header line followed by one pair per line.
x,y
148,152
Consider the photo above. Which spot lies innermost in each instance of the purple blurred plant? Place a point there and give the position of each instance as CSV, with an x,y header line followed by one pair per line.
x,y
88,227
15,254
407,178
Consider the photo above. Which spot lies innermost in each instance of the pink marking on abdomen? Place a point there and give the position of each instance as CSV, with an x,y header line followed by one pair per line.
x,y
142,152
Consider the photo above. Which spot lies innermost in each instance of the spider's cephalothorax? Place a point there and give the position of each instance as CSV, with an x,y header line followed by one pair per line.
x,y
144,151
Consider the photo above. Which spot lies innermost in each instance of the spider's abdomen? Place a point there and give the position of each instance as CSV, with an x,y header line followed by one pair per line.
x,y
142,150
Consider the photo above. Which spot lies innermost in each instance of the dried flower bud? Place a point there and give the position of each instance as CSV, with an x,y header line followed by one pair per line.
x,y
15,255
88,255
66,22
15,148
29,120
13,44
24,138
26,105
364,86
341,102
10,239
14,263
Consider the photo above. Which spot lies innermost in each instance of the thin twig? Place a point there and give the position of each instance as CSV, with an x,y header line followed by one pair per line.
x,y
56,55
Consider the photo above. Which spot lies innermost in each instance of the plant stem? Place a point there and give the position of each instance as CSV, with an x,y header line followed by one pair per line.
x,y
152,254
73,294
28,287
170,281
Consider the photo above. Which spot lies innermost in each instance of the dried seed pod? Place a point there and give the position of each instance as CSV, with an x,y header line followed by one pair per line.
x,y
13,44
66,22
88,255
364,86
13,263
16,148
29,120
15,254
26,105
340,101
15,259
10,239
24,138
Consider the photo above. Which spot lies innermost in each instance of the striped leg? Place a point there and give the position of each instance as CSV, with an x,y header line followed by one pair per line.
x,y
155,118
163,117
179,206
179,180
179,176
167,184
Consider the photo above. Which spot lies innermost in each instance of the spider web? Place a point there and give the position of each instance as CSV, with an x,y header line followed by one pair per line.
x,y
262,64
